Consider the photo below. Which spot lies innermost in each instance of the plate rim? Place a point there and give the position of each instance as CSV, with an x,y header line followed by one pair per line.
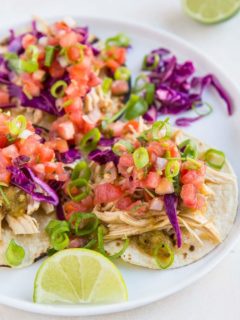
x,y
128,305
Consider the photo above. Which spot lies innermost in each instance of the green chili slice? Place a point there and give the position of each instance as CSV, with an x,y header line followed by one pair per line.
x,y
188,149
14,254
81,170
147,65
204,110
164,256
120,40
162,127
215,158
81,189
83,223
58,232
90,140
136,106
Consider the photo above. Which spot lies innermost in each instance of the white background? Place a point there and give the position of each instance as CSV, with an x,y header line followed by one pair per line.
x,y
217,295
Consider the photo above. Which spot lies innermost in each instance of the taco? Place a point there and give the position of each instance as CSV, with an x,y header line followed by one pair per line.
x,y
177,198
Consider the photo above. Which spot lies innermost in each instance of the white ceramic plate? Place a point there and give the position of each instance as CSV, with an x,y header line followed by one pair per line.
x,y
218,130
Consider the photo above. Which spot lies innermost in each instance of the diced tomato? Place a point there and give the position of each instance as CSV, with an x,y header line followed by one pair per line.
x,y
56,70
44,153
71,207
66,130
131,124
10,152
164,187
76,118
119,87
3,140
28,147
76,104
189,195
74,53
55,171
155,150
115,57
195,177
93,80
112,64
58,145
106,192
4,98
125,162
151,181
87,126
28,40
124,203
116,128
4,173
69,39
30,86
38,75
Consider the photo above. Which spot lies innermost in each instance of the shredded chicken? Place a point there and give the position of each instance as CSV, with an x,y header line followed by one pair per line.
x,y
32,206
218,177
23,224
97,103
47,207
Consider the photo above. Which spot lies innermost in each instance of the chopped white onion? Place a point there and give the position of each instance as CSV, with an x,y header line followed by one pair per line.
x,y
161,163
25,134
156,204
70,22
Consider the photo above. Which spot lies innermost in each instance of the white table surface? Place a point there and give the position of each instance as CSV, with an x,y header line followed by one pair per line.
x,y
217,295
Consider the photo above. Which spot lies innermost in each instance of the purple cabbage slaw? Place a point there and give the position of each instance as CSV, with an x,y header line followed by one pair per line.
x,y
69,156
25,179
170,203
176,88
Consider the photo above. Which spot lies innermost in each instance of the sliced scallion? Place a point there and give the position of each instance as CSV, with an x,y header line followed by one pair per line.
x,y
215,158
14,254
57,89
140,157
164,255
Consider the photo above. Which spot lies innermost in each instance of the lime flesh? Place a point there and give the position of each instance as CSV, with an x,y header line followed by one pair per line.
x,y
211,11
78,276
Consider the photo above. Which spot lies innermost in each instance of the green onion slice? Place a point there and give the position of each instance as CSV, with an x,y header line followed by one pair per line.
x,y
90,140
30,65
193,164
17,125
14,254
81,170
58,232
215,158
136,106
58,88
83,223
122,146
140,157
91,244
164,256
202,108
120,40
172,169
106,84
122,73
49,55
188,149
67,103
147,65
161,129
121,251
149,94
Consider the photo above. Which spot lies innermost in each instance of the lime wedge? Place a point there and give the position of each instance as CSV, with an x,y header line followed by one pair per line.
x,y
211,11
78,276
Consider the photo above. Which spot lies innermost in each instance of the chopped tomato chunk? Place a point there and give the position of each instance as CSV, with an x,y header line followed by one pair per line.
x,y
151,181
66,130
4,98
107,192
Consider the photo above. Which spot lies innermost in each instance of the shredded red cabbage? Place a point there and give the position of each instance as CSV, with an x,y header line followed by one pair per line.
x,y
57,187
151,115
176,88
104,142
70,156
21,161
170,201
103,156
25,179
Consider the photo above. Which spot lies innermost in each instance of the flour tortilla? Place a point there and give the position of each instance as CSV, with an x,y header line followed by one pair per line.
x,y
221,211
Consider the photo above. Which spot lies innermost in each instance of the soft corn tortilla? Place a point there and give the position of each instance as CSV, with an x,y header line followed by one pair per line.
x,y
221,211
35,245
